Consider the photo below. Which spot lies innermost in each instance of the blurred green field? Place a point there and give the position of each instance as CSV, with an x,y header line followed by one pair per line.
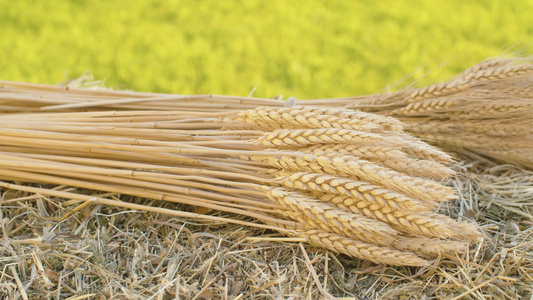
x,y
306,49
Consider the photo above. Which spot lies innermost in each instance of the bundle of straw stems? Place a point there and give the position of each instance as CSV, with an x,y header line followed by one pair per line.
x,y
348,181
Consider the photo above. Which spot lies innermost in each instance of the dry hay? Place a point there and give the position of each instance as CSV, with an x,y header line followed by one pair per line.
x,y
121,253
103,251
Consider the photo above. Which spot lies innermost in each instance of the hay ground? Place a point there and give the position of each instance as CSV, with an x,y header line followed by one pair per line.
x,y
103,252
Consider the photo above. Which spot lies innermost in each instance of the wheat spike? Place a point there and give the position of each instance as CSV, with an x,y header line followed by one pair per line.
x,y
421,108
319,215
481,102
354,248
479,143
305,137
517,128
428,223
317,182
488,64
519,155
468,80
384,123
414,167
419,149
497,108
363,151
497,73
386,156
462,230
437,90
429,247
298,117
422,223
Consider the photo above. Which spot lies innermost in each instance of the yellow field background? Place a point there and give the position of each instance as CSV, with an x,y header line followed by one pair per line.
x,y
306,49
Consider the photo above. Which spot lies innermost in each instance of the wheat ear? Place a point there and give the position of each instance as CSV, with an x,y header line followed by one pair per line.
x,y
306,137
363,151
317,117
354,248
436,90
421,108
488,64
414,167
429,247
468,80
421,223
497,73
416,148
319,215
317,182
298,117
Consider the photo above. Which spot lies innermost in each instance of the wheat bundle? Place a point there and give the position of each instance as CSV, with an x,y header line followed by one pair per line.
x,y
347,181
485,111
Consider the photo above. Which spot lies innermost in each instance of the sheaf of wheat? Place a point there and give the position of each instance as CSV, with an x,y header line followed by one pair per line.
x,y
348,181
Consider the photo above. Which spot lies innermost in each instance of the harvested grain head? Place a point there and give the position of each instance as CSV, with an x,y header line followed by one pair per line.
x,y
298,117
421,223
325,183
355,248
315,214
306,137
